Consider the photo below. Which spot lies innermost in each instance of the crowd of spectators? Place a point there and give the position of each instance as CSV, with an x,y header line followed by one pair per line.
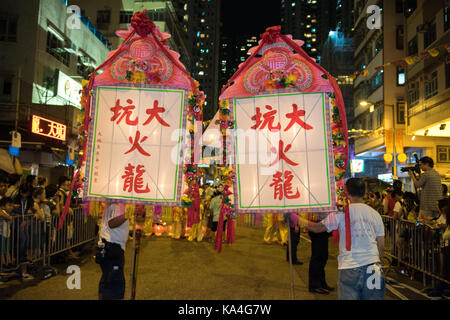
x,y
28,205
429,206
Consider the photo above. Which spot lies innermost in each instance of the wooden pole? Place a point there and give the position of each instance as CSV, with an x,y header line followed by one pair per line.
x,y
135,257
291,269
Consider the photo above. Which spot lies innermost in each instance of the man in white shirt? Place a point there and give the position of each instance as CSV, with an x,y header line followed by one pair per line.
x,y
360,273
113,235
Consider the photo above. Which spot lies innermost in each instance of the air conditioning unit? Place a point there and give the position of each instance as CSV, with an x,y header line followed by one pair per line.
x,y
71,47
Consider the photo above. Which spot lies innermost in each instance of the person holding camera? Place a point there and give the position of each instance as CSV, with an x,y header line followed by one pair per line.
x,y
431,189
113,237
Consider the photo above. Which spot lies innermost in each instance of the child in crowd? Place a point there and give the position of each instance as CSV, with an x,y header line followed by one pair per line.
x,y
443,223
6,207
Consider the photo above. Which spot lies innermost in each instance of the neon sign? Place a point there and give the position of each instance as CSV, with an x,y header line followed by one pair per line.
x,y
48,128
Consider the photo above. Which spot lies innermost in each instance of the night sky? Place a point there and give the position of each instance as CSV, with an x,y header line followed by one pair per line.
x,y
249,16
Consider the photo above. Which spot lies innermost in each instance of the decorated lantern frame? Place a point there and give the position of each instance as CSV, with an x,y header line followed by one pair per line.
x,y
275,90
143,104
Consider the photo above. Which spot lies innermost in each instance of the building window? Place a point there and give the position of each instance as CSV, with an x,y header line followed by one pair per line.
x,y
8,28
85,66
125,16
157,14
447,75
430,36
446,18
103,16
413,47
376,81
410,7
379,44
431,87
443,154
399,6
55,46
380,117
401,112
401,76
413,95
7,87
399,38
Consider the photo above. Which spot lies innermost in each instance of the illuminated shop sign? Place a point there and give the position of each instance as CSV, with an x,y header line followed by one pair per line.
x,y
69,89
357,166
48,128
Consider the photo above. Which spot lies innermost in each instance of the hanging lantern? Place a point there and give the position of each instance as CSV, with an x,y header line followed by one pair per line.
x,y
434,52
387,157
402,158
158,229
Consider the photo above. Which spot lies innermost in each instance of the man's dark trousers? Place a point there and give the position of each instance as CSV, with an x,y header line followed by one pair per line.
x,y
294,239
112,283
319,257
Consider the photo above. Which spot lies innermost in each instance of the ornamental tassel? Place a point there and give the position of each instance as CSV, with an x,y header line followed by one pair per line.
x,y
230,230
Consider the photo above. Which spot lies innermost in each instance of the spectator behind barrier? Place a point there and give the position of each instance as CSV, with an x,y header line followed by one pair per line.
x,y
6,208
14,184
52,201
431,189
3,185
444,190
42,182
31,180
443,223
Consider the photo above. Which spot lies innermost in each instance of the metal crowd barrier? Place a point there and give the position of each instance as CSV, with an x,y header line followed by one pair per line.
x,y
34,240
416,246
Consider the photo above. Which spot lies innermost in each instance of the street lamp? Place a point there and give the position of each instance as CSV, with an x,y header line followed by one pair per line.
x,y
365,103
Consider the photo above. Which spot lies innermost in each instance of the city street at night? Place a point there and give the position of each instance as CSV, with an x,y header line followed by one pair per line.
x,y
182,270
225,150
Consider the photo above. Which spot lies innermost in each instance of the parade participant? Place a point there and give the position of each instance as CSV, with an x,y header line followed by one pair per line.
x,y
113,237
215,206
319,255
431,189
177,218
274,229
360,274
294,238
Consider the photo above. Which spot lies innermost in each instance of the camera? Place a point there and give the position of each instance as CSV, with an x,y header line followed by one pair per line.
x,y
415,168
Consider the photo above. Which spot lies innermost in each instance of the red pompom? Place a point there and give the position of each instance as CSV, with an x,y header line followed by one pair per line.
x,y
142,24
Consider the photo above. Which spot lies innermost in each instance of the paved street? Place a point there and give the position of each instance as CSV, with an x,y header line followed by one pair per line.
x,y
178,269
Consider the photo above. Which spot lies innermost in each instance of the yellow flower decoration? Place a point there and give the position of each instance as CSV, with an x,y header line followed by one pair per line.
x,y
409,60
433,52
291,78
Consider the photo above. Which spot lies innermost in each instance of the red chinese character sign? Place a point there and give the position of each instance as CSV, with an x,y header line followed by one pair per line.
x,y
283,153
136,144
285,125
131,138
